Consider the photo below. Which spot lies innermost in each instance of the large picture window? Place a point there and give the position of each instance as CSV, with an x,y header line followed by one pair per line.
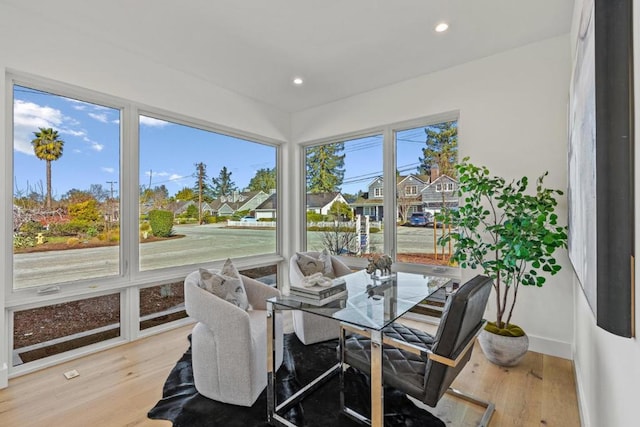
x,y
346,211
204,196
82,244
66,204
426,181
344,202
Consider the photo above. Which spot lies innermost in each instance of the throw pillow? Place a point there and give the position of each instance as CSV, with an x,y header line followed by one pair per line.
x,y
228,269
230,289
309,265
327,270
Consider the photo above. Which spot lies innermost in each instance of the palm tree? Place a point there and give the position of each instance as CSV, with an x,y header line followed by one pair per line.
x,y
47,146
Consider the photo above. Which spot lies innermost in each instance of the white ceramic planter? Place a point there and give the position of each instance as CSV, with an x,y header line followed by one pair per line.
x,y
501,350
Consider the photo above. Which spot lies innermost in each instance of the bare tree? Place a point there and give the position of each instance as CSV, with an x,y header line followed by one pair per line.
x,y
339,239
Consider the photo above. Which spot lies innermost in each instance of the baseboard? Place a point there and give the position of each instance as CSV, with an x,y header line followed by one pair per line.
x,y
550,347
4,376
582,405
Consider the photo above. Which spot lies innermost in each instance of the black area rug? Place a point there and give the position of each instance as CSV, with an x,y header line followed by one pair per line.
x,y
185,407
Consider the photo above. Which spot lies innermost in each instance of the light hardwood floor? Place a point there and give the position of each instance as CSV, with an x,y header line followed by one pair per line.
x,y
118,386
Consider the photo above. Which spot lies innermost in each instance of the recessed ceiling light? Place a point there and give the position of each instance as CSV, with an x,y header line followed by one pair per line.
x,y
298,81
441,27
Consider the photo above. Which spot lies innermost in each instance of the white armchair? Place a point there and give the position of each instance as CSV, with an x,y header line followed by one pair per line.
x,y
229,344
310,328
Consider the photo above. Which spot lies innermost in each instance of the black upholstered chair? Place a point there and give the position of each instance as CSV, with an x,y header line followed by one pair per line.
x,y
422,365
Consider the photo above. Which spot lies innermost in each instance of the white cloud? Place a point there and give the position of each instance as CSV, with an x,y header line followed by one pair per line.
x,y
175,176
102,117
108,170
27,118
73,132
97,146
149,121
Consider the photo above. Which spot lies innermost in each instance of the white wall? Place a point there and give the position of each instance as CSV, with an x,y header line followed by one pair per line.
x,y
75,58
60,54
513,119
607,366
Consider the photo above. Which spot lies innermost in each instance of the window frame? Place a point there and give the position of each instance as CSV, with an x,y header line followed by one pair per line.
x,y
388,132
130,279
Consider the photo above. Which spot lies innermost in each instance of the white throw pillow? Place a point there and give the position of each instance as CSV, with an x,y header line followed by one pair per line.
x,y
228,286
309,265
327,270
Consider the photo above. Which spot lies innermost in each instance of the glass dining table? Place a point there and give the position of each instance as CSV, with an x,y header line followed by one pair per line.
x,y
370,305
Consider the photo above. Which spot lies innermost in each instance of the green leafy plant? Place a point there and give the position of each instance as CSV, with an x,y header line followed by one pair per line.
x,y
508,231
161,223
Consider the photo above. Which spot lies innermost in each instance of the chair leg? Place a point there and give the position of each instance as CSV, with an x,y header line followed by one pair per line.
x,y
489,407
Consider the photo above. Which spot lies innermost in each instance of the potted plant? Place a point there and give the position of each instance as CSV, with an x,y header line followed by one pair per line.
x,y
512,234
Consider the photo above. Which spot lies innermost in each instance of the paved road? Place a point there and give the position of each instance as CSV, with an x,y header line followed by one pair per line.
x,y
201,244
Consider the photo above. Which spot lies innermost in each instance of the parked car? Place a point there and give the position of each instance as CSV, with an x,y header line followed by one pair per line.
x,y
248,219
431,221
419,219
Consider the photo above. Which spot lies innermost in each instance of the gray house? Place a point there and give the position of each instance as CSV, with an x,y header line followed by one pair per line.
x,y
408,192
442,192
247,201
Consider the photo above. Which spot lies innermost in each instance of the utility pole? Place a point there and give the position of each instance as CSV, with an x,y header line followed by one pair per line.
x,y
111,210
201,168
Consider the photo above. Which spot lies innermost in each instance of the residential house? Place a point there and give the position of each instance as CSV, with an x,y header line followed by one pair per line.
x,y
409,193
320,203
238,202
268,208
181,206
441,192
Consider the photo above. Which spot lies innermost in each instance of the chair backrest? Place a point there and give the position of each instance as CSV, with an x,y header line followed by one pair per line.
x,y
462,318
296,276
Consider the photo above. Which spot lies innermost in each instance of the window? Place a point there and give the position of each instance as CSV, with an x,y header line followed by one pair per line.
x,y
344,203
45,331
425,153
161,304
197,190
66,156
203,196
411,190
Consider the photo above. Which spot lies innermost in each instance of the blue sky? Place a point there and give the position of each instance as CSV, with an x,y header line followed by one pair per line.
x,y
168,152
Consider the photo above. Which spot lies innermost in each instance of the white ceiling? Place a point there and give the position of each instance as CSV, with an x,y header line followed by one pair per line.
x,y
340,47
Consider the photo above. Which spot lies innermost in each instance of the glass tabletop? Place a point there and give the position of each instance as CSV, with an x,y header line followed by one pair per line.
x,y
370,303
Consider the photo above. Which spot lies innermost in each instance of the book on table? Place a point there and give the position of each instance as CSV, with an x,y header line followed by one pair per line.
x,y
317,292
318,301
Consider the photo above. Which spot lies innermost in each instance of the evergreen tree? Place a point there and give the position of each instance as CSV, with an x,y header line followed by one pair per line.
x,y
441,149
325,167
264,180
223,185
202,188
